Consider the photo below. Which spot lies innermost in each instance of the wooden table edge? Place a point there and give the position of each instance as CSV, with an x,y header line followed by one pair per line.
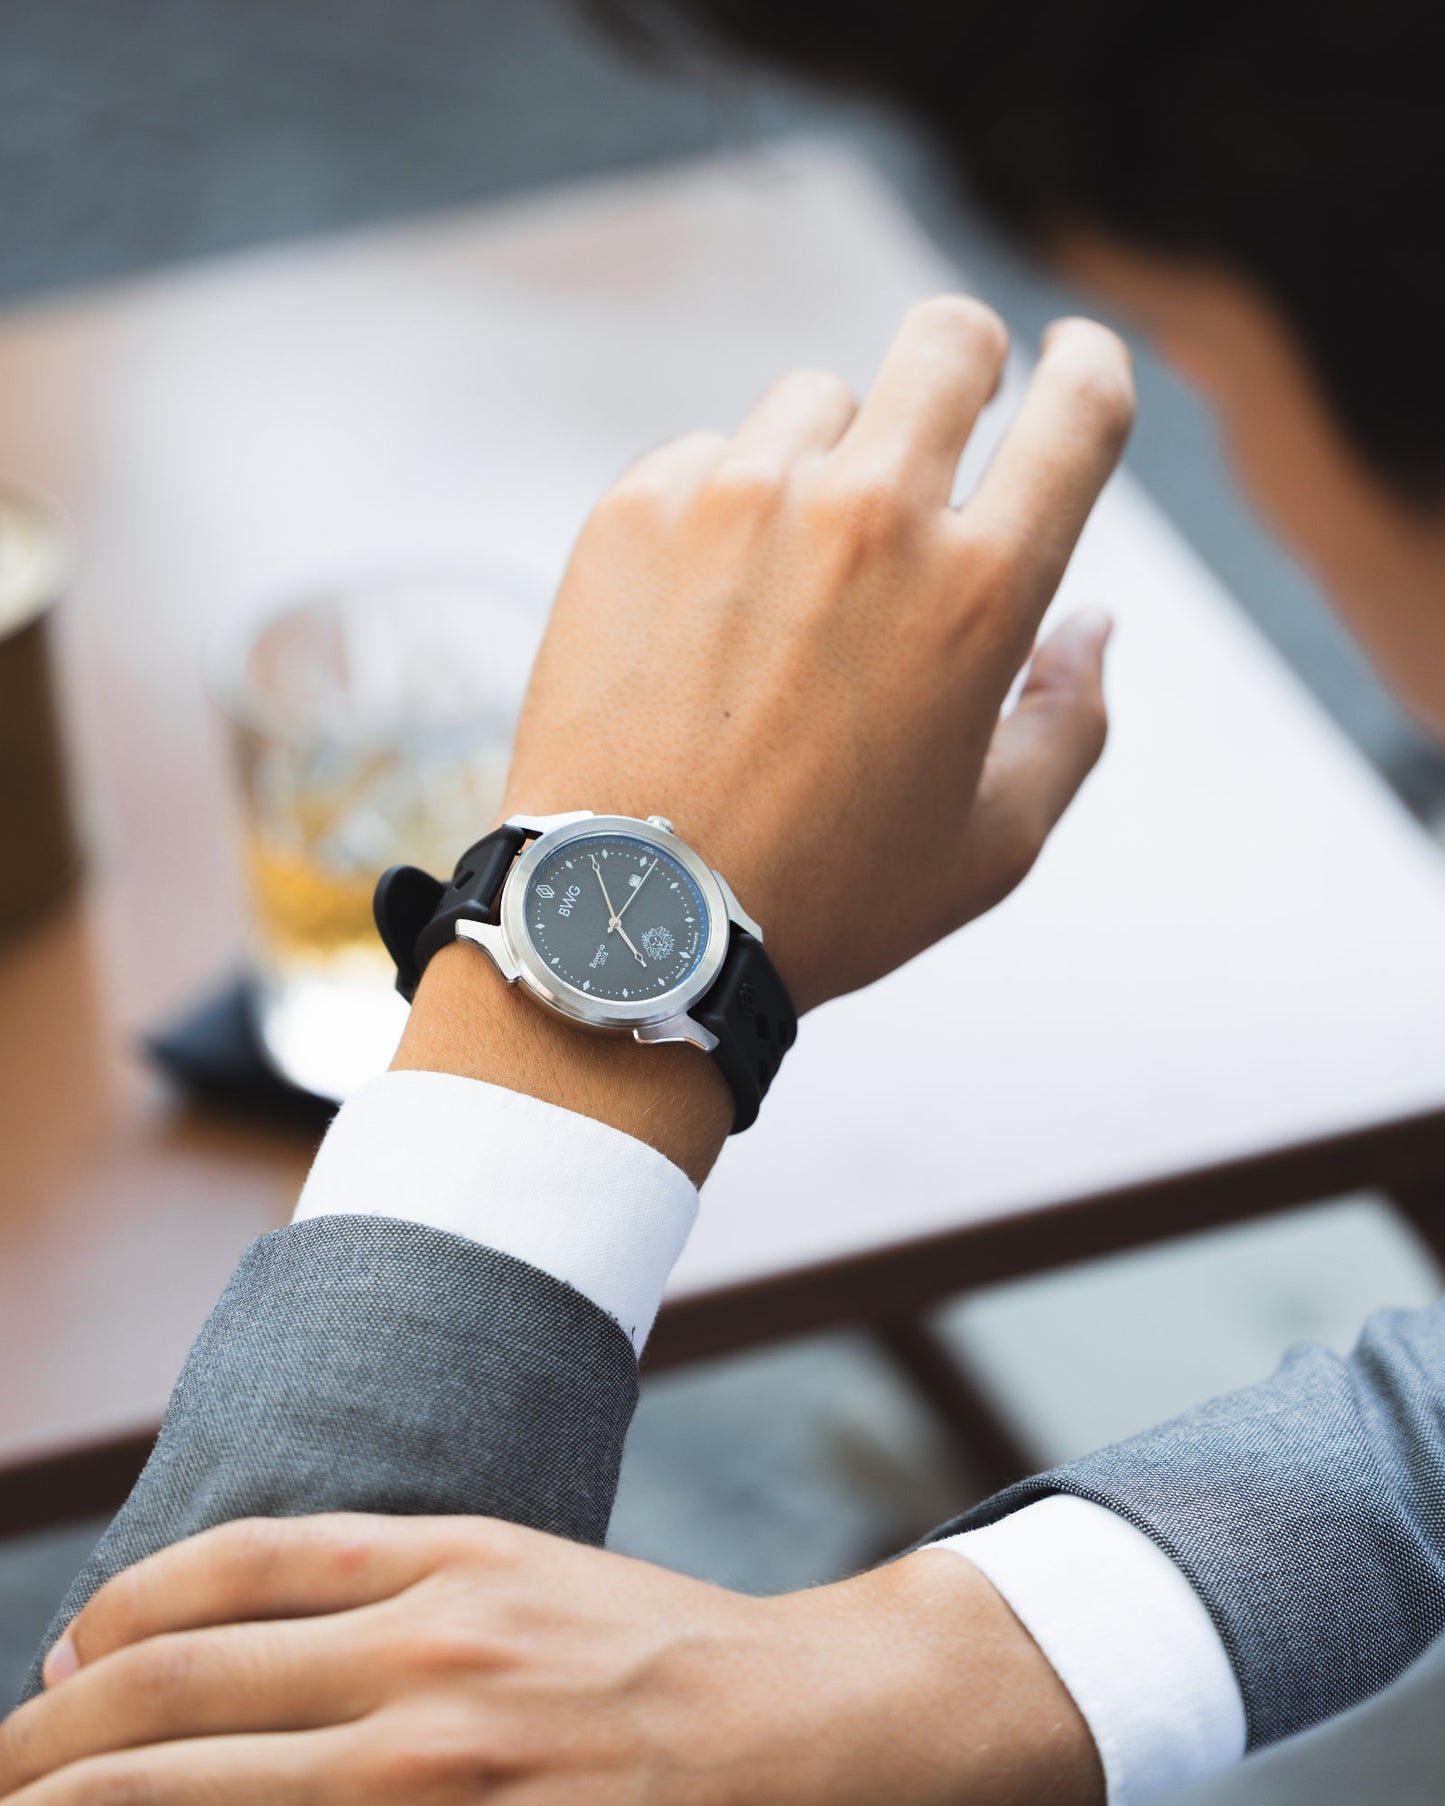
x,y
1404,1158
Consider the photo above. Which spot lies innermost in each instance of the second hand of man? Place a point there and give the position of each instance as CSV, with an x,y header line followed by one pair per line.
x,y
614,916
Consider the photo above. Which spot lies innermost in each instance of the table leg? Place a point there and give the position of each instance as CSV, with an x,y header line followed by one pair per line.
x,y
993,1450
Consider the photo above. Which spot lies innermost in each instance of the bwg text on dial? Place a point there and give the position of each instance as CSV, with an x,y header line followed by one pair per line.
x,y
615,925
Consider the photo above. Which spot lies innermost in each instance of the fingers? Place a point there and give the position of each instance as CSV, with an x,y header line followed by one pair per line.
x,y
282,1770
940,370
804,414
253,1569
302,1674
1039,757
1055,458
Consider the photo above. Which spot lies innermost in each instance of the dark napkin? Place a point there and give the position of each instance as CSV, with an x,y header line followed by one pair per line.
x,y
214,1054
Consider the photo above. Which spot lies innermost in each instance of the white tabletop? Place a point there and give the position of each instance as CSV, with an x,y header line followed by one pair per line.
x,y
1232,945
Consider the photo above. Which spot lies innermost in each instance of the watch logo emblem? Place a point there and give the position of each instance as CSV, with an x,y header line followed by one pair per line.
x,y
658,942
748,998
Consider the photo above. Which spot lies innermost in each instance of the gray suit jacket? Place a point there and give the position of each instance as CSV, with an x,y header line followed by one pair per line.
x,y
1307,1511
356,1363
361,1364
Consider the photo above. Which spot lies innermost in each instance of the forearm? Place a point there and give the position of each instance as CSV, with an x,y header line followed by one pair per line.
x,y
371,1365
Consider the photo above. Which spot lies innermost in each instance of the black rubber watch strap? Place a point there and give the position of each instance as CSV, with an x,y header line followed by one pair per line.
x,y
747,1008
750,1012
417,915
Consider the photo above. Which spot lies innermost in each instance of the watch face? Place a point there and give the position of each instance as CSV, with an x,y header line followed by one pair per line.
x,y
616,917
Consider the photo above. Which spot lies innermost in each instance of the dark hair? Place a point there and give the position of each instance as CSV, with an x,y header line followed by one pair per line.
x,y
1299,144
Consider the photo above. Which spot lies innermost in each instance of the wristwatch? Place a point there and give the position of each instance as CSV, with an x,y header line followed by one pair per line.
x,y
613,924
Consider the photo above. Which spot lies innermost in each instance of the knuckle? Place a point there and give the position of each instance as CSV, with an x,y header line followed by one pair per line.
x,y
347,1546
112,1617
164,1665
1107,395
639,498
992,559
1094,365
1094,728
746,486
823,386
446,1755
247,1537
1014,842
676,460
960,317
686,446
650,487
498,1542
991,620
454,1644
115,1783
864,508
249,1545
1020,850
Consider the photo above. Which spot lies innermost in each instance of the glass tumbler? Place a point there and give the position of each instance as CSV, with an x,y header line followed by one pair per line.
x,y
371,726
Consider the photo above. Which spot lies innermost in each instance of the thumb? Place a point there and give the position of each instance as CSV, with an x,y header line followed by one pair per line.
x,y
1053,738
1041,753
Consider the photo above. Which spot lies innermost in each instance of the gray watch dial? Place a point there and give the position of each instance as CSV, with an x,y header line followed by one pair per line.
x,y
617,917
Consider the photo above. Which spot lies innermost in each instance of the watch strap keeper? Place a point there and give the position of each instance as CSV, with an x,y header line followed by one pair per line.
x,y
417,915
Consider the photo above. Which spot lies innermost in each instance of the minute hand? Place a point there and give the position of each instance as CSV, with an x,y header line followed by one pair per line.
x,y
628,904
611,912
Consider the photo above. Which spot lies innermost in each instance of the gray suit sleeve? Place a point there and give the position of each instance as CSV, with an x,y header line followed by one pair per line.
x,y
365,1364
1308,1513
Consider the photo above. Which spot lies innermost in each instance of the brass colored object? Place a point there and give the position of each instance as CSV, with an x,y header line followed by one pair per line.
x,y
39,846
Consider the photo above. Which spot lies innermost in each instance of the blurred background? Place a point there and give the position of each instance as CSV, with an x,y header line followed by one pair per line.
x,y
141,134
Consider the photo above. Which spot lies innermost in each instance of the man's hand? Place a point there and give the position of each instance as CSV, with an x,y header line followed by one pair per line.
x,y
449,1662
789,643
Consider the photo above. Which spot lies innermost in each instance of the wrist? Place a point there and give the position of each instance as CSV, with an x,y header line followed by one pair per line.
x,y
468,1021
988,1693
935,1692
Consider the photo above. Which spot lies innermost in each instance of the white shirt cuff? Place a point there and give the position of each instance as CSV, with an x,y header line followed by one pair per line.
x,y
602,1212
1126,1634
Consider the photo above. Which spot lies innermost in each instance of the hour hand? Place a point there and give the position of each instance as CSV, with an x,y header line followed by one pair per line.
x,y
611,912
623,932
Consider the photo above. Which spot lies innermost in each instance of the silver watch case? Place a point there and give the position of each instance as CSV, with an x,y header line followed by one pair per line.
x,y
650,1019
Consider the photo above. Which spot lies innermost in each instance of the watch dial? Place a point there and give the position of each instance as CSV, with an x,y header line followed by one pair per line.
x,y
616,917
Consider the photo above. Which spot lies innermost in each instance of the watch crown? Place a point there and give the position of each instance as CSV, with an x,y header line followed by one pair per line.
x,y
661,821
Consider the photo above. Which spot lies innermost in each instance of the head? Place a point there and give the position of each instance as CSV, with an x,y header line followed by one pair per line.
x,y
1258,184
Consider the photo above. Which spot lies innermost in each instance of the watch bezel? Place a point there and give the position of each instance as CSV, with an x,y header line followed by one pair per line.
x,y
566,999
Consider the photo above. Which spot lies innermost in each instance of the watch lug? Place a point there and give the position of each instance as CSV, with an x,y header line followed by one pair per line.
x,y
490,939
676,1028
737,915
544,824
